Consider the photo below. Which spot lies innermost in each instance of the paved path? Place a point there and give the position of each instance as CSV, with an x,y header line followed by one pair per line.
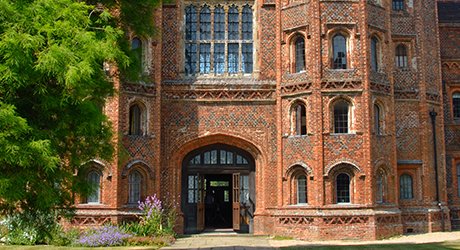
x,y
222,241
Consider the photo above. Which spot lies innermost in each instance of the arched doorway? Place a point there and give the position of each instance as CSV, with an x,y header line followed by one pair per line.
x,y
218,189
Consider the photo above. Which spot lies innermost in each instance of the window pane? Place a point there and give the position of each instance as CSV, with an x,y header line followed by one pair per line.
x,y
233,49
247,23
302,189
405,184
401,56
244,189
379,194
205,23
214,157
343,188
135,120
233,23
374,54
377,119
94,180
205,58
219,58
247,57
341,117
398,4
207,158
229,158
190,58
223,157
339,44
299,55
134,181
456,105
219,23
190,23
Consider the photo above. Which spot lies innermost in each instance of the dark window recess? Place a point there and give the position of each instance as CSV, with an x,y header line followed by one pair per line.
x,y
343,188
341,117
339,48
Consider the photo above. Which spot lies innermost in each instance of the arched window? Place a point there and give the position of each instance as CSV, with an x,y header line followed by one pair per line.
x,y
205,23
374,54
406,187
377,120
401,56
94,179
134,187
342,186
299,54
136,48
300,118
301,189
247,23
381,186
398,5
341,119
233,23
219,23
339,51
135,120
456,105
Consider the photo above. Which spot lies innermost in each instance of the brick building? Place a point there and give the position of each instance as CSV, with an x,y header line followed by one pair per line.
x,y
307,118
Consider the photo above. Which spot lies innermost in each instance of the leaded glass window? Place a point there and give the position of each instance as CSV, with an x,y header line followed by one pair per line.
x,y
134,187
94,179
339,50
380,186
219,23
456,105
135,120
401,56
299,54
301,189
377,119
218,157
341,117
343,188
300,115
218,40
205,23
405,187
398,5
374,54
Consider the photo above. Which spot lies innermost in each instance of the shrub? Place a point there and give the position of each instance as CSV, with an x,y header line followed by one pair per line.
x,y
159,241
61,237
30,227
107,235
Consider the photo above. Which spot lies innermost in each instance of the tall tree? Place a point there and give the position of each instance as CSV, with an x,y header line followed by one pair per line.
x,y
52,89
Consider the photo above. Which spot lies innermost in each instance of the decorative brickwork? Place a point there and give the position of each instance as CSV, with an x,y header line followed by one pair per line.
x,y
325,143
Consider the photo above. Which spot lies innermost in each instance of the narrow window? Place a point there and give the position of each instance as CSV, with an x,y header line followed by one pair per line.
x,y
381,183
190,23
94,179
190,58
374,54
339,50
219,58
341,117
300,120
134,186
233,23
247,57
405,187
135,120
247,23
458,180
232,59
302,189
456,105
219,23
401,56
398,5
205,58
299,54
205,23
377,119
192,189
343,188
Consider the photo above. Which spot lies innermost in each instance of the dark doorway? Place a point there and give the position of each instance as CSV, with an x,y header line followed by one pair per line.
x,y
218,201
218,189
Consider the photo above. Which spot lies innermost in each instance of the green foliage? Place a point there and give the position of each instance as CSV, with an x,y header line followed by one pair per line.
x,y
52,88
62,237
29,228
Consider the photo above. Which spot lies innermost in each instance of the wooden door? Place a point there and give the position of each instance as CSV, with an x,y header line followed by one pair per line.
x,y
236,201
200,204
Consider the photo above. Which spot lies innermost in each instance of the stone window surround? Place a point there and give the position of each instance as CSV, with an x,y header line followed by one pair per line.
x,y
255,44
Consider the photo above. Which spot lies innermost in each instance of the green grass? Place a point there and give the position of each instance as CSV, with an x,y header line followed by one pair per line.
x,y
430,246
